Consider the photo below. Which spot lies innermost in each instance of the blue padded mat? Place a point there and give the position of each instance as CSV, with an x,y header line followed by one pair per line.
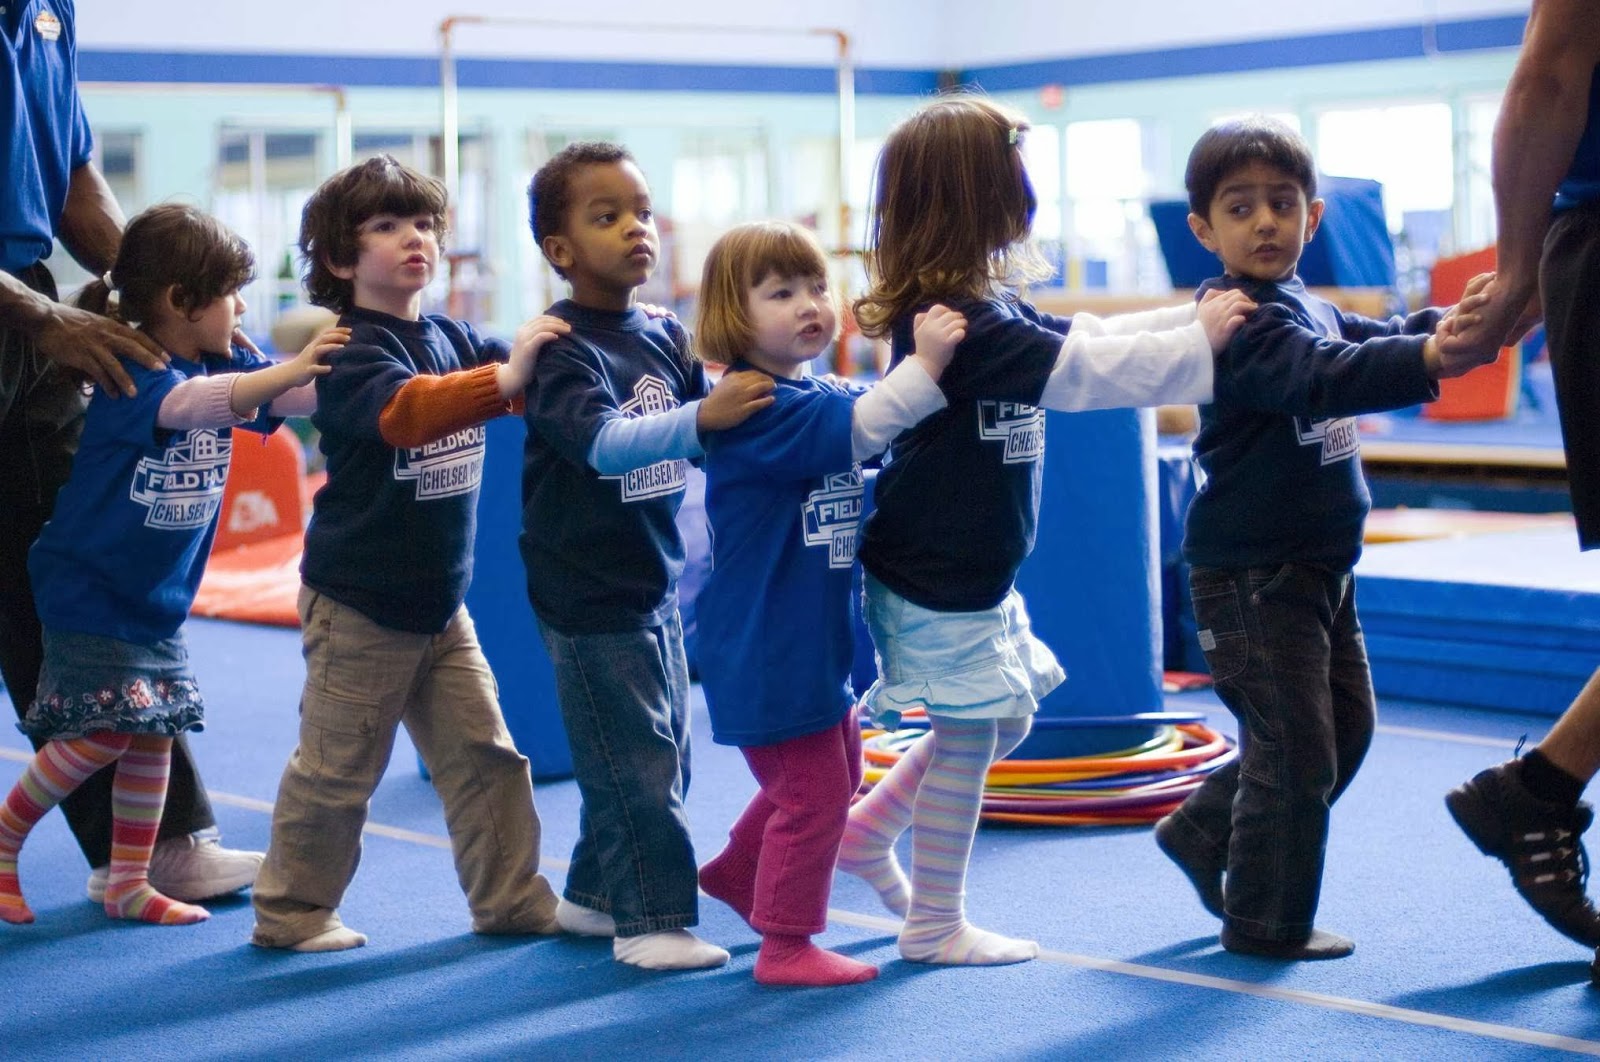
x,y
1508,621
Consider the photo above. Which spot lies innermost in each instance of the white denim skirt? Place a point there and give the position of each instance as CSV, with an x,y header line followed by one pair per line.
x,y
970,665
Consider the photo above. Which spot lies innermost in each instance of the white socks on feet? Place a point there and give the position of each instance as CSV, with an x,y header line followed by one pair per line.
x,y
341,939
670,949
584,921
958,944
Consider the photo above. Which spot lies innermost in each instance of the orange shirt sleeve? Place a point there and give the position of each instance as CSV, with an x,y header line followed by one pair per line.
x,y
430,407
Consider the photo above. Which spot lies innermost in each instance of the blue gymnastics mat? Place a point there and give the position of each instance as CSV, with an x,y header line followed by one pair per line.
x,y
1508,621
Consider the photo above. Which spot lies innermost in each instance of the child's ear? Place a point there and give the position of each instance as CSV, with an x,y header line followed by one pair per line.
x,y
558,251
1313,217
171,301
1202,232
342,272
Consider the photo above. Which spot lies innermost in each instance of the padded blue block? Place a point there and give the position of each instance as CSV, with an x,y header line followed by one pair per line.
x,y
1092,584
1352,249
498,601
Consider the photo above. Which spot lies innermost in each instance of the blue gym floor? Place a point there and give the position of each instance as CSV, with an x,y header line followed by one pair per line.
x,y
1449,964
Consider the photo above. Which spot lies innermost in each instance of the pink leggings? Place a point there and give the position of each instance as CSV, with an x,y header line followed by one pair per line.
x,y
791,827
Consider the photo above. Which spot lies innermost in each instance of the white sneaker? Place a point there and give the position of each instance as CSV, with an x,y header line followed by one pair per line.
x,y
191,868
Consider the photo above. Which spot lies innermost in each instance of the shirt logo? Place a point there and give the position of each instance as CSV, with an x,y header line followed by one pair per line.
x,y
832,515
1019,426
47,26
445,467
1335,435
651,395
182,489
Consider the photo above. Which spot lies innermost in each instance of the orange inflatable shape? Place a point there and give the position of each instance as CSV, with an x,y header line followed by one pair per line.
x,y
254,570
1490,391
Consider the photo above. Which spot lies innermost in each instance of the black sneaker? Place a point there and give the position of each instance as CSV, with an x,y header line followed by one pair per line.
x,y
1539,842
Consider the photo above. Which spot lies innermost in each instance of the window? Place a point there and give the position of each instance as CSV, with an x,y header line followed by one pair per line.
x,y
1110,242
1475,216
1408,149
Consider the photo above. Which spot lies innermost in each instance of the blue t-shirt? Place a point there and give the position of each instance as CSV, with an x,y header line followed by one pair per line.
x,y
958,498
1279,444
603,553
47,135
392,530
123,553
784,499
1582,183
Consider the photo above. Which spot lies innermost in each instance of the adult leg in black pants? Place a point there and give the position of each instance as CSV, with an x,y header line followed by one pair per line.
x,y
41,418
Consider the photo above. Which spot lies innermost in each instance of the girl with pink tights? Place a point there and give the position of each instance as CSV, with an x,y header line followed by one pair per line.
x,y
784,495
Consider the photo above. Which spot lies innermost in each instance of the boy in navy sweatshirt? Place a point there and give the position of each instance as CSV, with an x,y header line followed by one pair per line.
x,y
388,556
614,415
1272,537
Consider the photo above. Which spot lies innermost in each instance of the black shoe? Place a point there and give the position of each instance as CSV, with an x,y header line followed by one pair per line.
x,y
1539,842
1318,945
1203,868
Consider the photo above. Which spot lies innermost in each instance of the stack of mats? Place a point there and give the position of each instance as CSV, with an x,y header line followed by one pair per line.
x,y
1508,621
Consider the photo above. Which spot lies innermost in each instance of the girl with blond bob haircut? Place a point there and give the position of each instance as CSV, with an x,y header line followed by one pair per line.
x,y
784,493
958,499
741,259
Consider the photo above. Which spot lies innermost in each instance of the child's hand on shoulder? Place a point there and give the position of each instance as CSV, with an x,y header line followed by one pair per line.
x,y
517,372
1222,314
937,331
654,312
736,397
313,360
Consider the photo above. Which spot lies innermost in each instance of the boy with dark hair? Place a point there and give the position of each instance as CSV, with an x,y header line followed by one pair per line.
x,y
616,414
388,557
1272,538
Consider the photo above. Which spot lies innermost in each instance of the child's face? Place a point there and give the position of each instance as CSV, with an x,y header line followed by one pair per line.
x,y
207,330
793,319
399,256
1259,222
607,246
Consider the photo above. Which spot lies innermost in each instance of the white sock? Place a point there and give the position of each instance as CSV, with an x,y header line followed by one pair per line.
x,y
670,949
341,939
944,820
958,944
584,921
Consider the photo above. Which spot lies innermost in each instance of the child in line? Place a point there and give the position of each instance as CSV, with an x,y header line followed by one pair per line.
x,y
117,567
784,500
1272,537
388,556
958,500
616,410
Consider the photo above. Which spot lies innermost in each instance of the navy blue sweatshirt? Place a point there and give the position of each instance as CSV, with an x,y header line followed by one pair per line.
x,y
603,553
392,531
1278,443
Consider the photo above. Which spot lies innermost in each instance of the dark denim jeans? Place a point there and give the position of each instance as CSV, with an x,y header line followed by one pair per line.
x,y
625,702
41,418
1289,661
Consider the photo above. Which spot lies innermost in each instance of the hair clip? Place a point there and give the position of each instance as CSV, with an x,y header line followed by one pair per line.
x,y
1012,134
105,278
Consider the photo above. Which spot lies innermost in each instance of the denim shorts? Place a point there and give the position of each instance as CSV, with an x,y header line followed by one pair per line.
x,y
970,665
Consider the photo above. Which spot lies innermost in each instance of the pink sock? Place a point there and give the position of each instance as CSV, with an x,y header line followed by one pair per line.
x,y
794,960
731,878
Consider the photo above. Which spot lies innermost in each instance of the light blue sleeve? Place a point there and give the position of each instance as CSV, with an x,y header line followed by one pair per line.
x,y
625,443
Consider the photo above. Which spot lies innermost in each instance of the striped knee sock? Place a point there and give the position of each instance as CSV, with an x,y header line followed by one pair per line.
x,y
54,772
944,821
137,796
877,821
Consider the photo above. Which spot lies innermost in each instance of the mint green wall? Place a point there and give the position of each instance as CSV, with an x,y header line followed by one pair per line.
x,y
179,128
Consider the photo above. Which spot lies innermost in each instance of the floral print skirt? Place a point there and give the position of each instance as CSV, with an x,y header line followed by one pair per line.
x,y
90,682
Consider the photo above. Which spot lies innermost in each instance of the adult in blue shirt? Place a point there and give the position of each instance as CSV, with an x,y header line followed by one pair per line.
x,y
1527,812
46,349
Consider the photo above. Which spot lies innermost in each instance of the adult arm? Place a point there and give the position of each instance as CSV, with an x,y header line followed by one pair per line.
x,y
1542,118
91,229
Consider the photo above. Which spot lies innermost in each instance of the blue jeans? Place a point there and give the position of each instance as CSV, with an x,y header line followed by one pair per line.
x,y
1289,661
624,699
